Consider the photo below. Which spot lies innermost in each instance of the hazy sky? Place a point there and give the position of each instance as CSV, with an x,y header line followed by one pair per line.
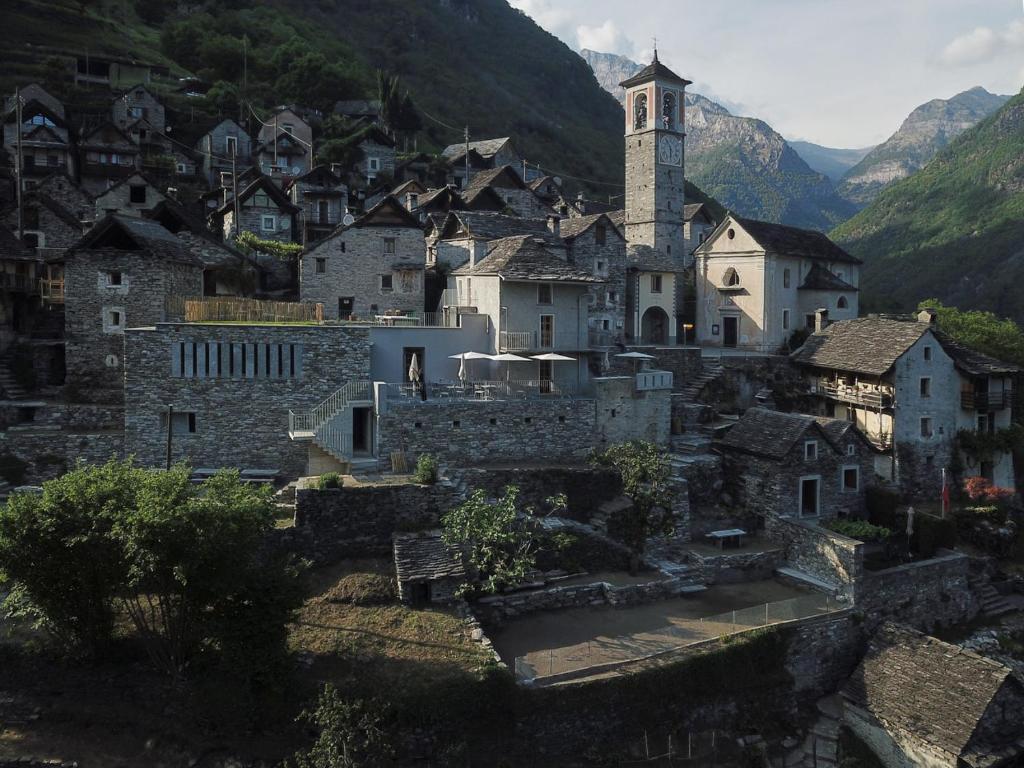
x,y
843,73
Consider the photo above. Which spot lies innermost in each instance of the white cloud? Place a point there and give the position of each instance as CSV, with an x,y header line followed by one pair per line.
x,y
982,44
607,38
555,20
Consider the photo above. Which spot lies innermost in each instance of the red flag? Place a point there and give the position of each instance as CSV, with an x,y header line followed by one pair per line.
x,y
945,493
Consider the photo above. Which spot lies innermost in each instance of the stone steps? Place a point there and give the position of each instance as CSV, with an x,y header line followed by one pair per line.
x,y
9,384
820,749
993,604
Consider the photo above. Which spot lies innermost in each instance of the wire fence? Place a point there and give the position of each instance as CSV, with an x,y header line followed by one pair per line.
x,y
599,654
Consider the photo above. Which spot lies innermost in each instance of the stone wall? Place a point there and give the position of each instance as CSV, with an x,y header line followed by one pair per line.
x,y
95,347
623,414
360,521
608,298
241,418
479,431
819,552
744,377
585,487
925,595
731,567
50,454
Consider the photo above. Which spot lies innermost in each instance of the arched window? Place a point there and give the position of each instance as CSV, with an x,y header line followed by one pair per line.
x,y
640,111
842,303
731,277
668,109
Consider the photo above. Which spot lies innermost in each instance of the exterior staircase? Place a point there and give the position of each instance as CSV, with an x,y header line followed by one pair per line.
x,y
9,386
993,604
692,389
323,424
821,747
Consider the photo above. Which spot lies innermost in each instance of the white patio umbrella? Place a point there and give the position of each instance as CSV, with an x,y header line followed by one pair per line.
x,y
462,357
555,357
508,357
414,369
636,357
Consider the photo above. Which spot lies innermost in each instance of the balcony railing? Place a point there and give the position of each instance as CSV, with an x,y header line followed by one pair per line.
x,y
855,395
526,341
986,401
514,389
453,297
52,290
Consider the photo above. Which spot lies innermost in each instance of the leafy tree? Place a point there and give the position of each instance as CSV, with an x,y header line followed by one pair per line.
x,y
250,243
61,555
983,331
390,99
646,473
497,535
352,733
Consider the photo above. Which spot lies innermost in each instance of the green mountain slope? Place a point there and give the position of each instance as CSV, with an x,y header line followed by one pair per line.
x,y
830,161
955,229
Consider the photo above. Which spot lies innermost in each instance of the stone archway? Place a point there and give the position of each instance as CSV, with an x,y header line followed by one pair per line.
x,y
654,326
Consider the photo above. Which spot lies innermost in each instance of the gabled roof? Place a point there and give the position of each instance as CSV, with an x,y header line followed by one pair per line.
x,y
504,177
36,107
412,185
618,218
425,556
869,345
821,279
654,71
36,92
100,136
440,200
458,159
285,142
321,175
139,87
697,210
486,148
134,177
128,233
529,258
937,691
260,183
484,225
389,212
782,240
190,229
484,199
764,432
376,135
543,181
972,362
45,133
572,228
58,210
12,249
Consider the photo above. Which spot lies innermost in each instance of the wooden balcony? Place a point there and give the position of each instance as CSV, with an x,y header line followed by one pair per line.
x,y
986,401
51,290
870,398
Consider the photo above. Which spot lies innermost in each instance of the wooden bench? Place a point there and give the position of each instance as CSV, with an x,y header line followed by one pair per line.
x,y
727,537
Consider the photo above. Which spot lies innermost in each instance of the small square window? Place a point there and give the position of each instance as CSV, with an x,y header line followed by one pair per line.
x,y
544,293
456,424
926,387
810,450
528,420
389,246
851,479
321,266
182,423
268,223
655,283
386,283
927,354
418,425
137,193
494,422
115,278
926,427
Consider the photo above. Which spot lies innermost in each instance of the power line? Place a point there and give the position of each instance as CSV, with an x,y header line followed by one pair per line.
x,y
551,172
439,122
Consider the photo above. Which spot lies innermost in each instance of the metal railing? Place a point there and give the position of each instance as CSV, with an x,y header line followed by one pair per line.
x,y
855,395
518,341
525,341
311,421
453,297
986,401
602,654
513,389
651,380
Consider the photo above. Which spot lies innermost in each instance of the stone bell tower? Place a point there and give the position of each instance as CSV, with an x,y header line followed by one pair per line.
x,y
655,189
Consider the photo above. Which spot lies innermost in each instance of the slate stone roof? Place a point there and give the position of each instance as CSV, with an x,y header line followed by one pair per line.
x,y
690,210
572,228
412,185
820,279
619,220
654,71
773,434
491,177
487,148
12,249
972,362
937,691
484,199
782,240
527,257
320,175
58,210
264,183
485,225
425,557
123,232
869,345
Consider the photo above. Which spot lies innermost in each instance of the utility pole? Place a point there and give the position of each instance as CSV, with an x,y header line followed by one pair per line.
x,y
275,139
234,191
467,157
19,162
170,427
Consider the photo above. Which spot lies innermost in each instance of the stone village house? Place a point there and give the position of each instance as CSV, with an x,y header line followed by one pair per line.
x,y
322,196
133,195
106,155
758,282
910,388
794,465
511,188
263,209
218,145
293,138
595,244
369,267
45,137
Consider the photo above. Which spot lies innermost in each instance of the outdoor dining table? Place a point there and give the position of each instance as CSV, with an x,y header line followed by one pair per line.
x,y
728,536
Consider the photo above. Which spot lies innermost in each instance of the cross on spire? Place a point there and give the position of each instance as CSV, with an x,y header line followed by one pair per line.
x,y
655,49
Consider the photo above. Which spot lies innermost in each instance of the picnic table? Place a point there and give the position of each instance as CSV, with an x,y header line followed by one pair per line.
x,y
731,537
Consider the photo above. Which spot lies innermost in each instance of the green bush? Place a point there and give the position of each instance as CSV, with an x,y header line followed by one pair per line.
x,y
329,480
426,469
881,505
861,530
932,533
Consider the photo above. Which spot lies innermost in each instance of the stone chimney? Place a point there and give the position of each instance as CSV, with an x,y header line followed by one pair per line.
x,y
555,224
927,316
820,320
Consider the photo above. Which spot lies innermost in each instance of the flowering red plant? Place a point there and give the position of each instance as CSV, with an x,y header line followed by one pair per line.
x,y
982,489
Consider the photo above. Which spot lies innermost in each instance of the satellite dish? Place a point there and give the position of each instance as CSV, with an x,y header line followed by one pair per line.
x,y
296,169
558,180
348,220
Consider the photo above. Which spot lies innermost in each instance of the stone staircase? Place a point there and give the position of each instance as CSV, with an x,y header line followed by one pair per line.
x,y
820,749
993,604
9,386
692,389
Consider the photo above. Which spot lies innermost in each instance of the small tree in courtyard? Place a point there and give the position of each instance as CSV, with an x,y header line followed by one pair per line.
x,y
496,536
352,733
646,473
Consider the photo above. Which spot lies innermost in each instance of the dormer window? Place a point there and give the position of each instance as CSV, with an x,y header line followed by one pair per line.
x,y
640,111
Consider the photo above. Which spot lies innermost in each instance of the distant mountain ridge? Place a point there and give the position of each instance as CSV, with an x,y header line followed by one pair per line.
x,y
954,230
741,161
926,130
830,161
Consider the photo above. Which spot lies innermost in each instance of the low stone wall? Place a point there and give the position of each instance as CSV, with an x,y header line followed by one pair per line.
x,y
482,431
360,521
497,609
819,552
925,595
704,479
50,454
585,487
744,377
732,567
684,362
29,762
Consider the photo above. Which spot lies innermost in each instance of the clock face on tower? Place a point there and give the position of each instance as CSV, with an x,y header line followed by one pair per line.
x,y
670,150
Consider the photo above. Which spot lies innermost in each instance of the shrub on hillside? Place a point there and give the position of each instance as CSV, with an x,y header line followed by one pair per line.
x,y
426,469
329,480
